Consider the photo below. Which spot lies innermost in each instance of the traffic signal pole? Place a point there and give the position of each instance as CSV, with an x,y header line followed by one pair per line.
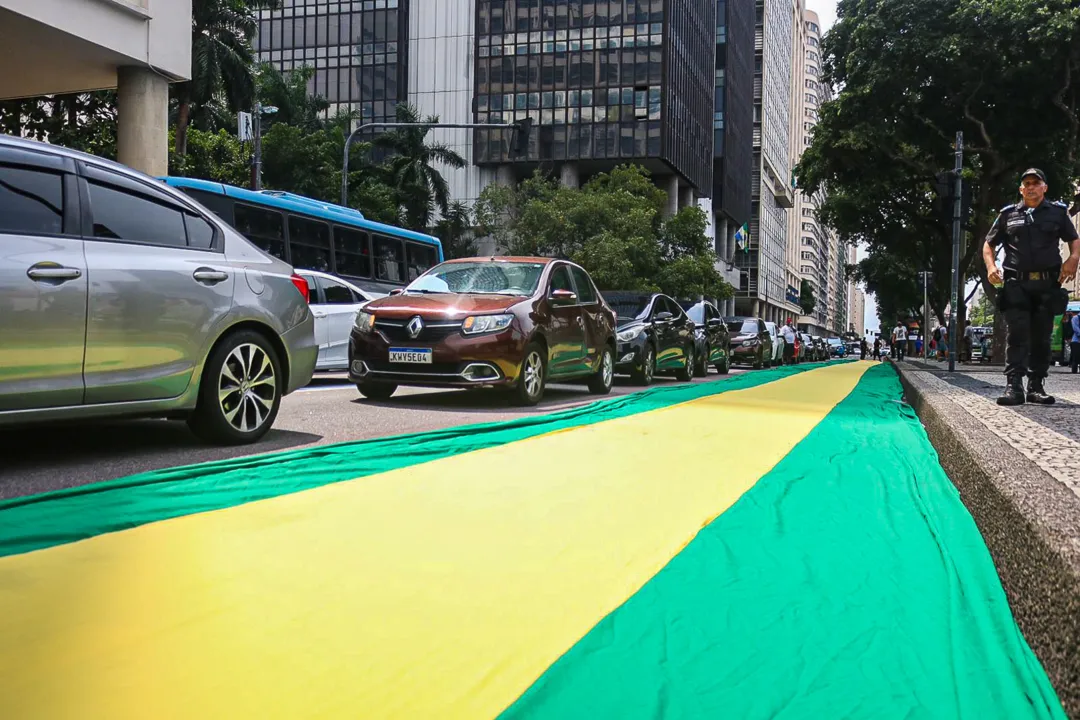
x,y
521,128
957,200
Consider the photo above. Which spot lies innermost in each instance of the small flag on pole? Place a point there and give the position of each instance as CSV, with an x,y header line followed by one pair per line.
x,y
742,238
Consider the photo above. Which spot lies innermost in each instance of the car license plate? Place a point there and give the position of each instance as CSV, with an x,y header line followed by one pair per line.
x,y
415,356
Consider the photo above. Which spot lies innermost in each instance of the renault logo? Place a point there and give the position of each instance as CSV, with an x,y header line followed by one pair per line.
x,y
415,327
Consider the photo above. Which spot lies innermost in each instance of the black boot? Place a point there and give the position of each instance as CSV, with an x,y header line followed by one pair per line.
x,y
1037,393
1014,392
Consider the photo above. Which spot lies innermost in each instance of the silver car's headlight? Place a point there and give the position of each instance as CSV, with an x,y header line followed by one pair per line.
x,y
365,322
630,334
477,324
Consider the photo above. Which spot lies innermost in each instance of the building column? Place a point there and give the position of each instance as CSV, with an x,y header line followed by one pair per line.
x,y
686,197
720,241
142,124
672,189
504,176
569,175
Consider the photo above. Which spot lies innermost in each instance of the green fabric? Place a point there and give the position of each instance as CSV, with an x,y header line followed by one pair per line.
x,y
40,521
850,582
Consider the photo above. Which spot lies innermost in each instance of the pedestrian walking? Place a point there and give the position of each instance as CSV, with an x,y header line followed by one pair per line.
x,y
918,346
943,343
969,342
1074,342
862,349
899,340
1032,274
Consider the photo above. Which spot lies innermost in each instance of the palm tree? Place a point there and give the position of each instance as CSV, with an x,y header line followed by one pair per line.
x,y
289,94
221,59
409,167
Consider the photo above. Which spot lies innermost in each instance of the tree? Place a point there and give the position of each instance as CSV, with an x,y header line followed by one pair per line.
x,y
410,167
807,301
288,92
455,230
613,227
911,73
982,314
222,60
81,121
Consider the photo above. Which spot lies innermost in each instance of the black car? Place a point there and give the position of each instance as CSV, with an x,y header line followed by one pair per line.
x,y
711,339
751,343
654,335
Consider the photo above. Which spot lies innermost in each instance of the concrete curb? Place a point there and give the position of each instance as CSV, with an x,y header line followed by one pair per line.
x,y
1029,521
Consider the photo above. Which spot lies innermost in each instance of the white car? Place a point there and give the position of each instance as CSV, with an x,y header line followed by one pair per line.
x,y
334,303
777,344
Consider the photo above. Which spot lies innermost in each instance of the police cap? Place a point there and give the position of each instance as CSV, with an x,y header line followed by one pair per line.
x,y
1033,171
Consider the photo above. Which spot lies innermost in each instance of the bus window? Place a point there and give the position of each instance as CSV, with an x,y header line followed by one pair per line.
x,y
309,242
219,204
262,227
419,259
389,259
352,252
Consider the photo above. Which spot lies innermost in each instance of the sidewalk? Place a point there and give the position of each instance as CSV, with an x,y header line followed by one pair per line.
x,y
1018,472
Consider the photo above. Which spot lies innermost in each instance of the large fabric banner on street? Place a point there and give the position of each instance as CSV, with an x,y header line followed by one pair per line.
x,y
780,544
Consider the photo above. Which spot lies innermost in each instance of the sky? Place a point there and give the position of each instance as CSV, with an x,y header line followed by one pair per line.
x,y
826,10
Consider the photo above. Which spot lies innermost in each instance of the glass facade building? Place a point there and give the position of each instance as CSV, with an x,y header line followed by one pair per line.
x,y
359,51
602,80
733,111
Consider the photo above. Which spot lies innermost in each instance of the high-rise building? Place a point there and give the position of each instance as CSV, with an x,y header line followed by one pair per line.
x,y
765,290
604,83
358,50
733,127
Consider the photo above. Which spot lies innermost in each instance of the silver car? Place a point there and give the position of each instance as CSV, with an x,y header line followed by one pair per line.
x,y
120,296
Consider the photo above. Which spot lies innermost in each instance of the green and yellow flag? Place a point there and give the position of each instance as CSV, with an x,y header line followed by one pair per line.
x,y
776,544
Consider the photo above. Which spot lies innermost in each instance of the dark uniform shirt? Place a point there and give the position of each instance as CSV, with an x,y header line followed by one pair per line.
x,y
1031,235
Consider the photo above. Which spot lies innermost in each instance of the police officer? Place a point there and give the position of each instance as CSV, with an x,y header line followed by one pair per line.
x,y
1033,274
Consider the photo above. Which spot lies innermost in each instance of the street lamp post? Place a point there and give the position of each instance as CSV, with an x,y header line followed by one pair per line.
x,y
256,165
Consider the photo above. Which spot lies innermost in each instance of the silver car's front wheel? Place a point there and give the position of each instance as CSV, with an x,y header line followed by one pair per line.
x,y
240,392
247,388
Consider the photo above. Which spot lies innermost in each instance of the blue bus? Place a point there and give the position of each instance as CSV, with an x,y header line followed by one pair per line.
x,y
313,235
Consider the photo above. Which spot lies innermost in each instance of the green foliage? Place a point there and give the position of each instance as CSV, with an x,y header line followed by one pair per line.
x,y
83,121
613,227
455,230
982,312
410,169
912,73
807,301
289,94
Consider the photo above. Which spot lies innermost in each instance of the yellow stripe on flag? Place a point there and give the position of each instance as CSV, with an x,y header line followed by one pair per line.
x,y
441,590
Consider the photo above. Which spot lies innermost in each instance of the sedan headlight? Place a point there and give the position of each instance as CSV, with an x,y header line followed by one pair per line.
x,y
630,334
750,343
365,321
478,324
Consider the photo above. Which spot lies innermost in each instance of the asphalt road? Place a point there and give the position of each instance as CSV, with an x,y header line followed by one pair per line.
x,y
42,458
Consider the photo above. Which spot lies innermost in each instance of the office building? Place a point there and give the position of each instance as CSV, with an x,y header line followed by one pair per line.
x,y
733,127
55,47
764,291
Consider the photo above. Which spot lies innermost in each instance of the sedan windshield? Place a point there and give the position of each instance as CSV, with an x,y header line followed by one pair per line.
x,y
742,327
628,307
480,278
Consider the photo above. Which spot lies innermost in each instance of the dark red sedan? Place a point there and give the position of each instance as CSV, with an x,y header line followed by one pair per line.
x,y
503,322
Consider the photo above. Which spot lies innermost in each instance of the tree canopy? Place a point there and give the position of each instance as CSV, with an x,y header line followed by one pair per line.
x,y
911,73
613,226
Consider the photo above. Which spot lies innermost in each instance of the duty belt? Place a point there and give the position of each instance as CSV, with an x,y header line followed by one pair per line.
x,y
1032,275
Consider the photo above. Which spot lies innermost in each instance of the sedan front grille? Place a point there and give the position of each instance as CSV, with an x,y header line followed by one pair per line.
x,y
396,331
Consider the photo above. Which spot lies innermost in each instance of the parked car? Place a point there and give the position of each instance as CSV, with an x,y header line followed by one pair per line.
x,y
778,343
654,336
837,348
711,339
334,303
504,322
751,343
120,296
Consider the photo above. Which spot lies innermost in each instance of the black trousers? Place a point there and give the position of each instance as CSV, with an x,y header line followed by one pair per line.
x,y
1074,355
1029,315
